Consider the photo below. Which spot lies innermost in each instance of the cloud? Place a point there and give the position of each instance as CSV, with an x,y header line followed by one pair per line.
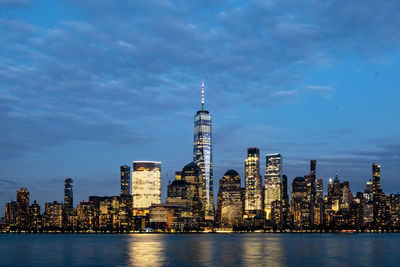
x,y
15,3
109,73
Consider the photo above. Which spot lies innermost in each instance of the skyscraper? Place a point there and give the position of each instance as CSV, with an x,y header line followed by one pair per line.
x,y
68,193
319,185
146,184
272,182
125,180
22,207
376,177
253,190
202,154
230,204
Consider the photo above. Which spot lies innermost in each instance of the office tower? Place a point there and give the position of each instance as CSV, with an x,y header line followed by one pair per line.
x,y
187,191
22,215
146,184
272,182
310,181
34,211
379,198
285,201
313,167
202,155
125,180
319,185
230,204
253,189
68,193
53,215
11,212
376,177
300,209
368,192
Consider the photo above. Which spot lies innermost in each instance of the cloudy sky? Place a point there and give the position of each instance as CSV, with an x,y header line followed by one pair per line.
x,y
87,86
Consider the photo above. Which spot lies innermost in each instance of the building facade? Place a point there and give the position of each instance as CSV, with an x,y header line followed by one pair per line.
x,y
253,190
202,155
125,180
273,180
146,184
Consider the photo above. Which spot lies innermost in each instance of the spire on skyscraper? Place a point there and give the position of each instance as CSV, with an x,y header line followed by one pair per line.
x,y
202,95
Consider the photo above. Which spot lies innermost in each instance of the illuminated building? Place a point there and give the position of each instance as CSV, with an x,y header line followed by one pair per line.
x,y
299,207
230,203
87,216
272,182
22,215
68,193
146,185
68,208
11,213
165,216
376,178
186,191
125,180
202,155
53,215
285,202
35,217
253,191
319,186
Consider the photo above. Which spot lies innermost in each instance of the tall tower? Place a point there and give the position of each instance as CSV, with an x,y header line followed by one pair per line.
x,y
376,178
125,180
202,154
253,190
272,182
68,193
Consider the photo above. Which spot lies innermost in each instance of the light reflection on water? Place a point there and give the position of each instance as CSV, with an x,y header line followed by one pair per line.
x,y
200,250
146,250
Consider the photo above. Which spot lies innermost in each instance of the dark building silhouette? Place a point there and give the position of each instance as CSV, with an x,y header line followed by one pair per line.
x,y
125,180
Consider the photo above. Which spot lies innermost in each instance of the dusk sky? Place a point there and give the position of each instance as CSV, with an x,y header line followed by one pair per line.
x,y
87,86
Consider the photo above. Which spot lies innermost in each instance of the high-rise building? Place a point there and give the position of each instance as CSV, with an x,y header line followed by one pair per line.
x,y
300,209
146,184
202,155
187,191
22,215
272,182
125,180
253,190
53,215
68,193
230,203
376,177
319,186
285,202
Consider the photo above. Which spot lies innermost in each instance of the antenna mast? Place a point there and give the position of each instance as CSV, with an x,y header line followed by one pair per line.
x,y
202,95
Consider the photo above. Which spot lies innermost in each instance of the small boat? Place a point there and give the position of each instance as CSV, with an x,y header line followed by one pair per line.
x,y
347,232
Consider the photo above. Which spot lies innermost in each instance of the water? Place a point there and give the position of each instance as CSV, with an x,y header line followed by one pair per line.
x,y
200,250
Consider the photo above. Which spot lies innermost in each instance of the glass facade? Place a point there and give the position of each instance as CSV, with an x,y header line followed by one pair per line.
x,y
68,193
146,184
125,180
272,182
253,190
202,156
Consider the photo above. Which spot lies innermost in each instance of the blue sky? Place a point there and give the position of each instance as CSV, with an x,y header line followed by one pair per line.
x,y
87,86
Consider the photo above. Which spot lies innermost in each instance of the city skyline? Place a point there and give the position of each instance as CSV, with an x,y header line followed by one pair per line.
x,y
82,94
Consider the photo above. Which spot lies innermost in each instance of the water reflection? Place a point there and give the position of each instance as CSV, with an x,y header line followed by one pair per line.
x,y
146,250
263,249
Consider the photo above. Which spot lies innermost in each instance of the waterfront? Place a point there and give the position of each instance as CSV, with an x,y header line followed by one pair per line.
x,y
199,249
